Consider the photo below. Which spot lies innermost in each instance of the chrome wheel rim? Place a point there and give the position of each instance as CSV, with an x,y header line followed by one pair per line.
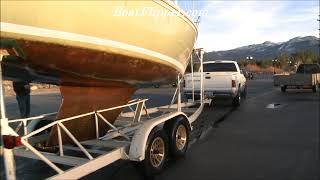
x,y
181,137
157,152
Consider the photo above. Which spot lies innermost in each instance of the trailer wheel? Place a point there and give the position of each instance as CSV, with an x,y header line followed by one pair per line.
x,y
283,88
155,155
178,130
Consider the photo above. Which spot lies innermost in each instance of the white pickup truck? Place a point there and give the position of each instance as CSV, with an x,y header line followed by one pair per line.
x,y
221,78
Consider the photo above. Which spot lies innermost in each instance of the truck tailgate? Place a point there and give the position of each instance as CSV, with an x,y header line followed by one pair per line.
x,y
218,80
211,80
188,81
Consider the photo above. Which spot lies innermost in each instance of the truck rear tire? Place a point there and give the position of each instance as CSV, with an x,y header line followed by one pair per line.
x,y
315,88
244,93
189,96
236,101
178,130
283,88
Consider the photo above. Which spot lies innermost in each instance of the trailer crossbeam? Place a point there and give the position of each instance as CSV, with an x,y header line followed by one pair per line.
x,y
65,160
92,165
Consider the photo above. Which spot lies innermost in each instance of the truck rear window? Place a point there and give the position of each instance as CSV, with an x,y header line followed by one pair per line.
x,y
219,67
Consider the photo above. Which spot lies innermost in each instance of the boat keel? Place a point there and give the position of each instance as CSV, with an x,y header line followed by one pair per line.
x,y
79,100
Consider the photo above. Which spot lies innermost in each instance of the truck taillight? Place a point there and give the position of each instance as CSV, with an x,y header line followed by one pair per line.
x,y
10,142
233,83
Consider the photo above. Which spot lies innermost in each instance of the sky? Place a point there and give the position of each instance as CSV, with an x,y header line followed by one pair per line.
x,y
232,24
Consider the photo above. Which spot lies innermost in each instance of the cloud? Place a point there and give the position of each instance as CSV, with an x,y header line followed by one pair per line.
x,y
231,24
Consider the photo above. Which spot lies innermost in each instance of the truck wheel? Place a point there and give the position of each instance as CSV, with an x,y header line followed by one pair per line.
x,y
41,124
315,88
244,93
156,153
236,100
283,88
188,96
196,97
178,131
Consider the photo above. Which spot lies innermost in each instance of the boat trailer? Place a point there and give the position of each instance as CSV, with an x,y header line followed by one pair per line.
x,y
134,136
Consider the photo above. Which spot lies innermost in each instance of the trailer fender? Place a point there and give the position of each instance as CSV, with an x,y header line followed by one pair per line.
x,y
139,140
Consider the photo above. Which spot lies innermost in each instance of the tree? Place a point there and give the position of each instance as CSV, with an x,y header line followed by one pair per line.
x,y
305,57
283,60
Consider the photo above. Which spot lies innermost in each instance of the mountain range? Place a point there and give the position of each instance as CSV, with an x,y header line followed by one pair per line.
x,y
267,50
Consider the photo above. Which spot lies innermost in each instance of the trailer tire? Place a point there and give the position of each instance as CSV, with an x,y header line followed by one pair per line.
x,y
151,165
178,130
283,88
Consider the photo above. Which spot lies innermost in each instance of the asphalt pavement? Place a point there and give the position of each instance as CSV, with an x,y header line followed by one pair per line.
x,y
259,140
270,136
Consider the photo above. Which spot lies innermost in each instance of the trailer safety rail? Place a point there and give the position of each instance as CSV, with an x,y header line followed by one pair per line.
x,y
50,158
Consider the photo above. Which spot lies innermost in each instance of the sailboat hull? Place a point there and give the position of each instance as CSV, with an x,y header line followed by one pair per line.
x,y
97,48
90,38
